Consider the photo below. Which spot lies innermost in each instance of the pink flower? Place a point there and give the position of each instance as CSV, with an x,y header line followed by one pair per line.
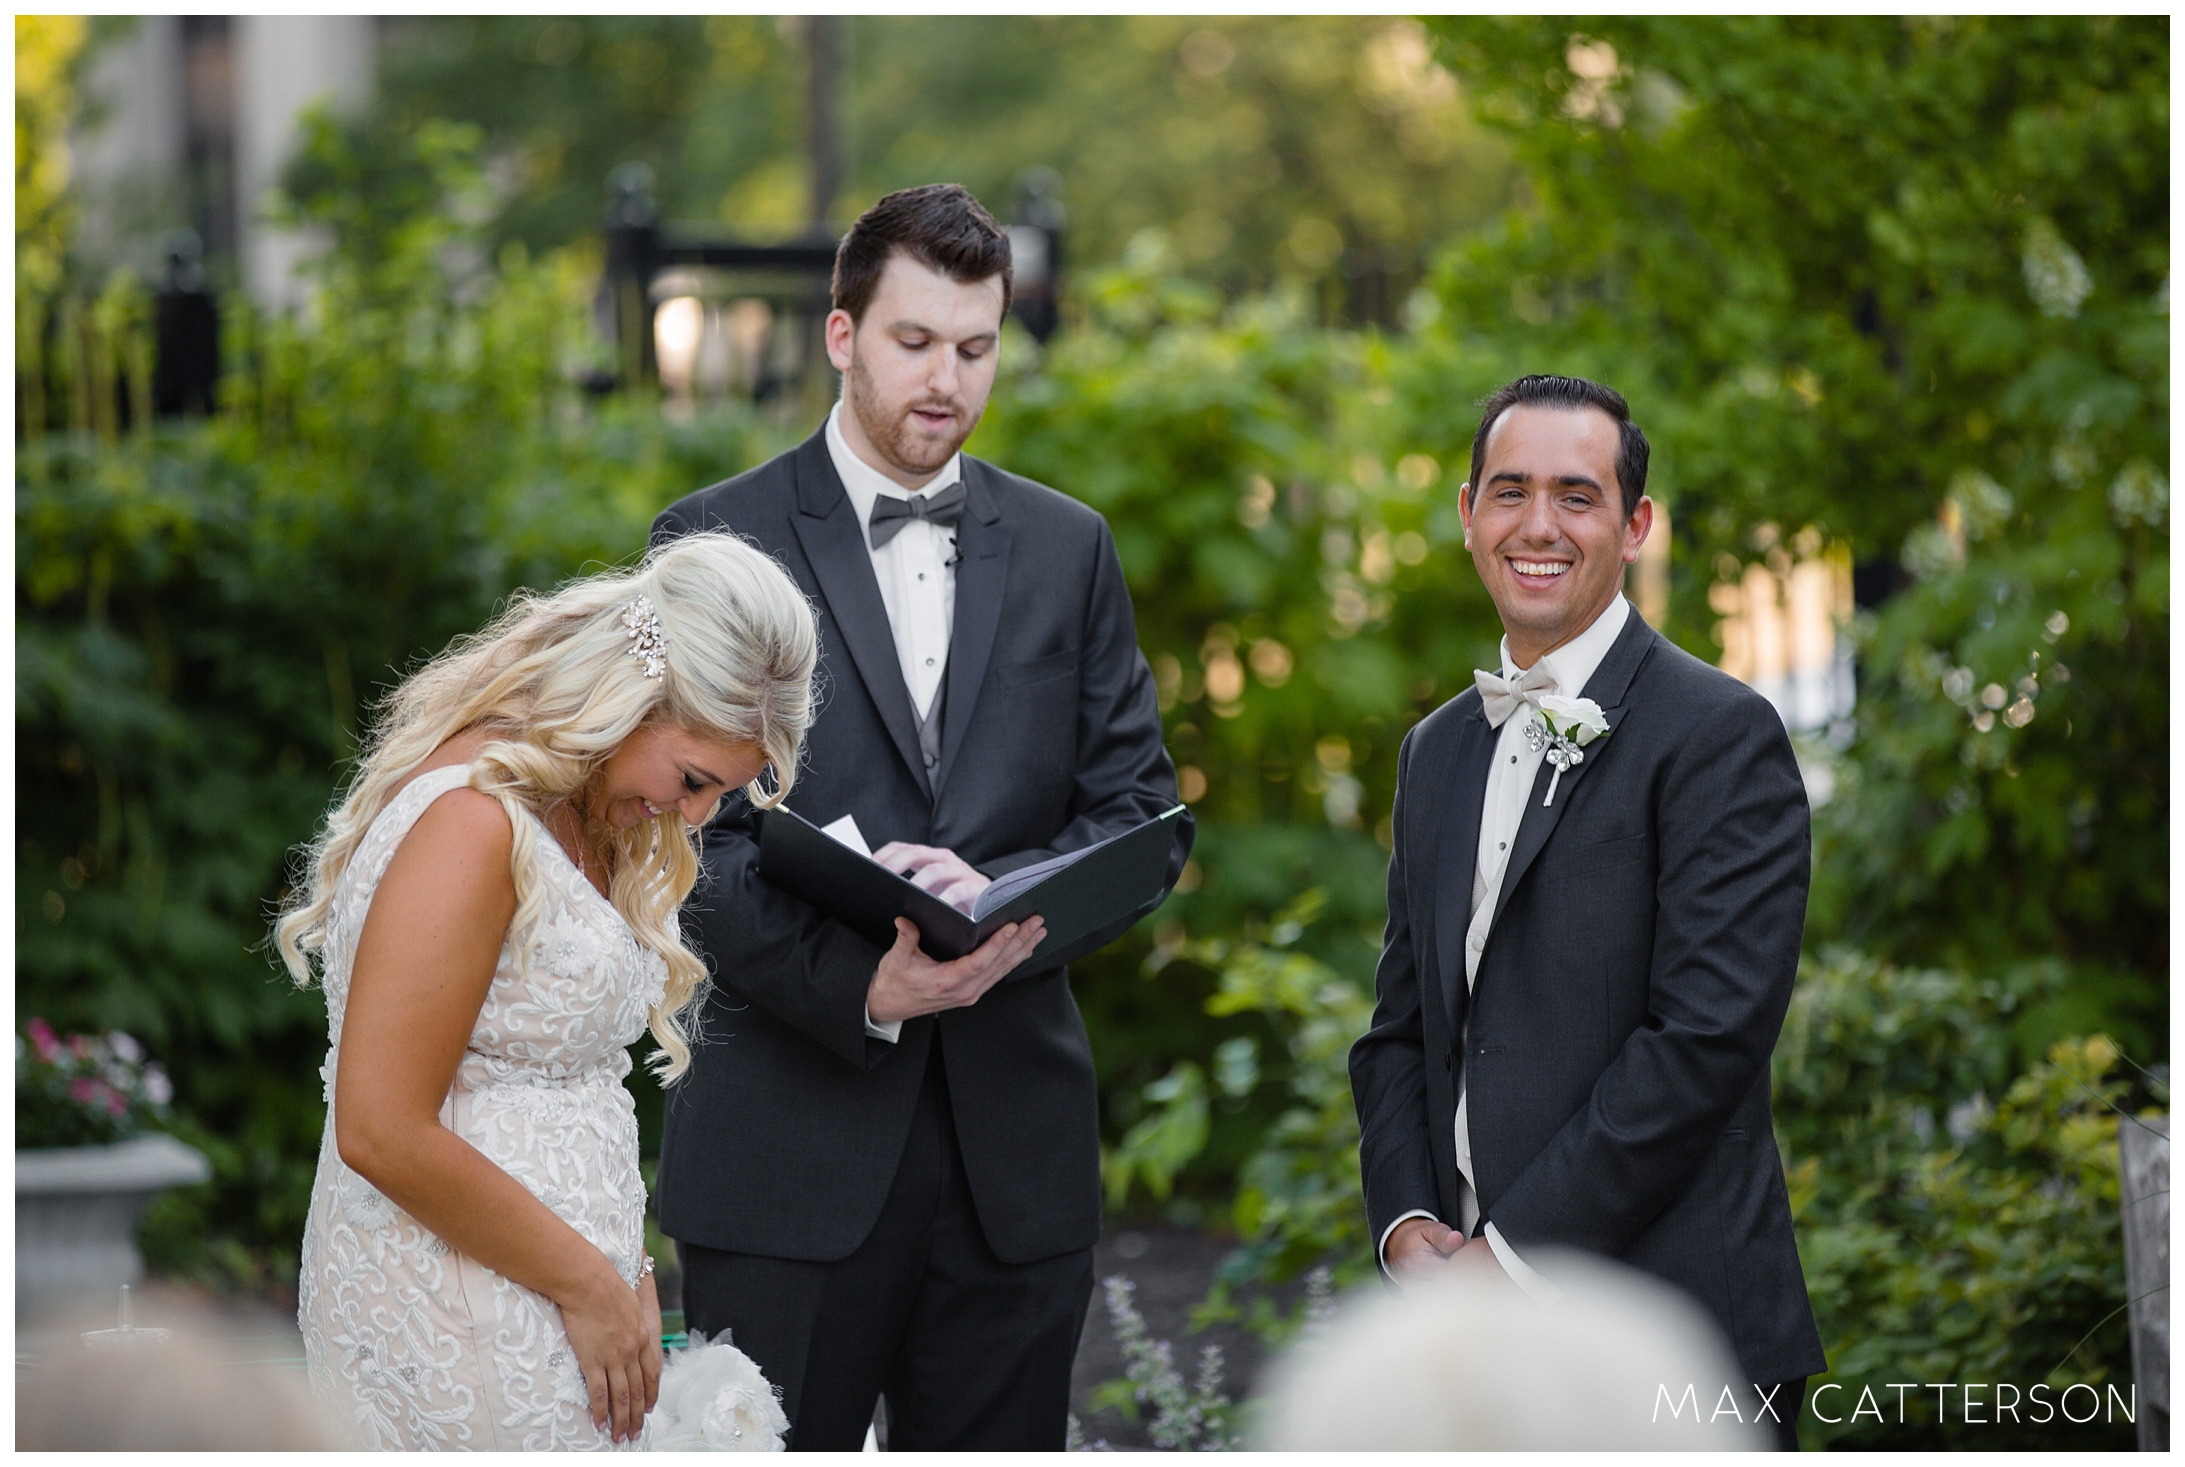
x,y
79,1046
80,1090
116,1103
41,1035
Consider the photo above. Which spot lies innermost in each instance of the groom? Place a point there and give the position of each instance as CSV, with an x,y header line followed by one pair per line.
x,y
882,1172
1588,960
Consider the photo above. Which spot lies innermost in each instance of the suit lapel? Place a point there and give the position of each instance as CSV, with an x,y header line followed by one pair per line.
x,y
826,526
1607,687
982,575
1459,856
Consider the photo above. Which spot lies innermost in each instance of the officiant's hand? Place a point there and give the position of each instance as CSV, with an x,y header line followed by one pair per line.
x,y
932,868
908,984
1420,1247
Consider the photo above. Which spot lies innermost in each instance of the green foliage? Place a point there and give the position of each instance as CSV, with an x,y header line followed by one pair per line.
x,y
712,104
1157,1147
1947,1237
1324,148
49,52
1297,1198
204,615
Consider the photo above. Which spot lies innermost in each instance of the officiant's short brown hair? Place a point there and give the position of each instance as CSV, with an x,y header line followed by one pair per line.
x,y
1546,390
940,225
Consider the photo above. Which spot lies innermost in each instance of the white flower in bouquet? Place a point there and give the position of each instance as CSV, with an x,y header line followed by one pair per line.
x,y
713,1398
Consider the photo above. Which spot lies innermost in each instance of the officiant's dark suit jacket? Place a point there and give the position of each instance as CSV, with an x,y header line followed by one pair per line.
x,y
783,1138
1617,1036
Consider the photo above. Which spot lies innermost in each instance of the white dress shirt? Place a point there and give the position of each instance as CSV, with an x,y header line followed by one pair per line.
x,y
916,569
917,575
1510,780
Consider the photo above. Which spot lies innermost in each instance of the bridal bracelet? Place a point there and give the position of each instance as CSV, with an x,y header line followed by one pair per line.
x,y
644,1271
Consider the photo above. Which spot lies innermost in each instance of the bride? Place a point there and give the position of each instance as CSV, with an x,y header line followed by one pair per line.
x,y
492,912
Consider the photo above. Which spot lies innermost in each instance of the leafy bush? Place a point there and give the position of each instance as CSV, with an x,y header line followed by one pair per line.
x,y
1947,1236
1298,1200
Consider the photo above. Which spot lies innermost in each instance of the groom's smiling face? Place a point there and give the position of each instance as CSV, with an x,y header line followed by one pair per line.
x,y
1546,524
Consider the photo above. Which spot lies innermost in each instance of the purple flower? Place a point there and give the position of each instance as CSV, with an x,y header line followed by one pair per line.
x,y
157,1086
41,1035
125,1046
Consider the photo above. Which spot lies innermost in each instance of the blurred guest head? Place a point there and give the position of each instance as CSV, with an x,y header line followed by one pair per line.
x,y
1466,1362
921,284
193,1392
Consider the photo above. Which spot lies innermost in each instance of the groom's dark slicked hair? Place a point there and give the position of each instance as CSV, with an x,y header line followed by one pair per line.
x,y
1570,393
940,225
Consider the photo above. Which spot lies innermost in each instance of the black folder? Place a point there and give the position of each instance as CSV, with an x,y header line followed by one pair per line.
x,y
1077,893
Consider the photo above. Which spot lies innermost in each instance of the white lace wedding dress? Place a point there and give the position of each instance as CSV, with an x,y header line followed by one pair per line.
x,y
416,1345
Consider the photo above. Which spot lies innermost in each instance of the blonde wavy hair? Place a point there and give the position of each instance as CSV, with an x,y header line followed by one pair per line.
x,y
554,677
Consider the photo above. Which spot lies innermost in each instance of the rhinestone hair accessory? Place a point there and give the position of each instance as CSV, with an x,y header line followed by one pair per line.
x,y
649,644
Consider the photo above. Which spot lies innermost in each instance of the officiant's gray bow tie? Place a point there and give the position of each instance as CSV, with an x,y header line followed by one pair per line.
x,y
1502,697
890,514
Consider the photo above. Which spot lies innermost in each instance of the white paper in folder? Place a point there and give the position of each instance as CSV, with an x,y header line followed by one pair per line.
x,y
846,831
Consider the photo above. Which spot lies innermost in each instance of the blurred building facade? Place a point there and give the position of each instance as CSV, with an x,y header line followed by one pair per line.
x,y
1784,628
188,124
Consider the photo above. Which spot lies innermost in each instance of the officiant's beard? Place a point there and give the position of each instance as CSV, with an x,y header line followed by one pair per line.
x,y
896,436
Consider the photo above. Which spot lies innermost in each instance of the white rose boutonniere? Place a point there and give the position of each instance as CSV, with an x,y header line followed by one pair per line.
x,y
1564,728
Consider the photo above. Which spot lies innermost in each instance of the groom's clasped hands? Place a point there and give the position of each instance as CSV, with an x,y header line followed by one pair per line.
x,y
908,984
1421,1248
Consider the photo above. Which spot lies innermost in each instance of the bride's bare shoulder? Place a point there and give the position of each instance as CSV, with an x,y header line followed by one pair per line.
x,y
461,825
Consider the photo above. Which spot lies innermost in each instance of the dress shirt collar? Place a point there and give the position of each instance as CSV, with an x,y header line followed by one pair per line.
x,y
865,483
1574,662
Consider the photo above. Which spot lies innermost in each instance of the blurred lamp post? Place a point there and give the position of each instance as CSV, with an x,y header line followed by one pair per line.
x,y
633,256
1035,250
186,328
687,308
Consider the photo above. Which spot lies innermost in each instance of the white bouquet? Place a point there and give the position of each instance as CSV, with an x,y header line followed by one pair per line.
x,y
714,1399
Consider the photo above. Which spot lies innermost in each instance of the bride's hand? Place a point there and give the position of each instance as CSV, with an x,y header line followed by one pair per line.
x,y
615,1331
648,1303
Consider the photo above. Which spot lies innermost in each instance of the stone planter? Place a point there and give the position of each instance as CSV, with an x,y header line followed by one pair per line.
x,y
76,1210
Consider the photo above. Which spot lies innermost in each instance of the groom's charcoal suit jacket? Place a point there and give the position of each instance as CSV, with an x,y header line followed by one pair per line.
x,y
1617,1036
784,1136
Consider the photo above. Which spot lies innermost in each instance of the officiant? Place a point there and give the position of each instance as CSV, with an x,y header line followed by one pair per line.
x,y
882,1172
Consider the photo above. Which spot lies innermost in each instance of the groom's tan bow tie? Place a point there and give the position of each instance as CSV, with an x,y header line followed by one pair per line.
x,y
1502,697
